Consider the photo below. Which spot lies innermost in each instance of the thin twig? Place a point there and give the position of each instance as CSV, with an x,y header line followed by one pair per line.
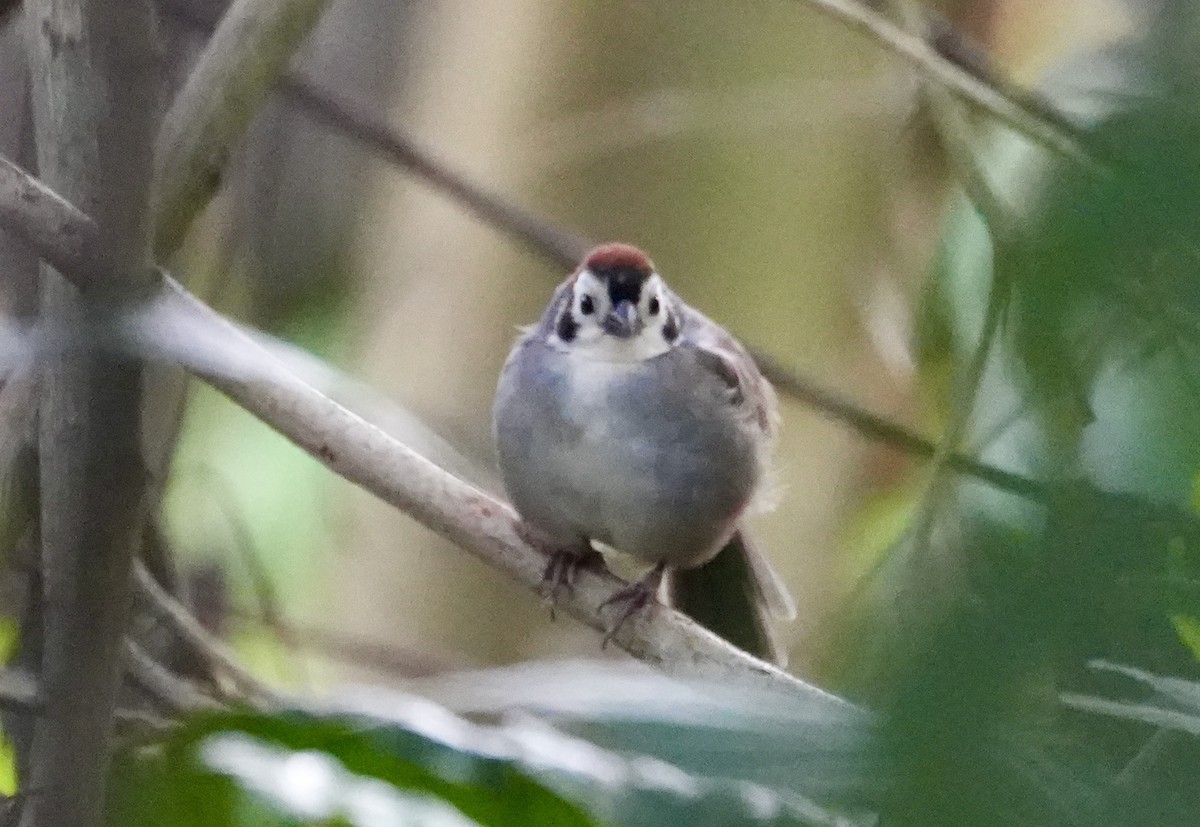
x,y
884,430
545,237
1016,112
192,632
243,60
954,130
174,693
565,248
868,424
955,134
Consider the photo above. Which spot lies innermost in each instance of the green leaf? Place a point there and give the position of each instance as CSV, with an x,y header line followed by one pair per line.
x,y
299,768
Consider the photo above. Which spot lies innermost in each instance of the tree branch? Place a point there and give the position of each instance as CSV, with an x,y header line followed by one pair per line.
x,y
241,65
1016,110
93,81
565,250
361,453
884,430
191,632
167,688
545,237
236,364
28,202
44,220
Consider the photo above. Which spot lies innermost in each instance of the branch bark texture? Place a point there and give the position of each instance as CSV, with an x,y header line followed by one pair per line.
x,y
94,101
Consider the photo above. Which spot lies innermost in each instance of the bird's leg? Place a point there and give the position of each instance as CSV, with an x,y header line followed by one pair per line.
x,y
563,564
634,597
562,568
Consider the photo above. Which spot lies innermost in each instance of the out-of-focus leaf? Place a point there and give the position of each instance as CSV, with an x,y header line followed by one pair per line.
x,y
618,769
1157,784
1173,702
299,768
410,761
814,744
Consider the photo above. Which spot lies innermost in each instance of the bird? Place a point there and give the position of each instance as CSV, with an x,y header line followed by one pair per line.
x,y
626,418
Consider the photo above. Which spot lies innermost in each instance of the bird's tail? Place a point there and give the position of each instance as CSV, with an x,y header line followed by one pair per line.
x,y
738,594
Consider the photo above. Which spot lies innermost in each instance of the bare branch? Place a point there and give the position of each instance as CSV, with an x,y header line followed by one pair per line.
x,y
542,235
472,519
45,221
238,366
92,73
193,633
884,430
1035,120
244,59
788,382
564,249
170,690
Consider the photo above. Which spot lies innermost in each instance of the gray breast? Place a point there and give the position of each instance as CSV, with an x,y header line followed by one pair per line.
x,y
647,457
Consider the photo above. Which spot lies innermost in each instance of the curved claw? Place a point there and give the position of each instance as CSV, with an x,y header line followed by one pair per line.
x,y
561,570
636,596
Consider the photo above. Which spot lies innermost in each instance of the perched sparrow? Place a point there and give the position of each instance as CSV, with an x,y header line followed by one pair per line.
x,y
627,418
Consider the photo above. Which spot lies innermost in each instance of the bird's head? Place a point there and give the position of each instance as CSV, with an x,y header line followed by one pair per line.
x,y
617,308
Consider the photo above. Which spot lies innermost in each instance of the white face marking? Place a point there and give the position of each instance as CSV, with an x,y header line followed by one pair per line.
x,y
590,305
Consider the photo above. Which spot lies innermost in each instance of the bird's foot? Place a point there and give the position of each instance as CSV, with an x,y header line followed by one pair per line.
x,y
563,565
561,571
634,597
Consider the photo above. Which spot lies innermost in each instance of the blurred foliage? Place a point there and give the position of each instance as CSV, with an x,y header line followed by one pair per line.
x,y
298,769
417,763
970,632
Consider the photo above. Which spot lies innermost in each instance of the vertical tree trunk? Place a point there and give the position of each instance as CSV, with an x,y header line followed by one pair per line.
x,y
95,104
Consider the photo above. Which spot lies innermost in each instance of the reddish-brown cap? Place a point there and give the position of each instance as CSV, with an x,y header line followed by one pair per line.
x,y
618,256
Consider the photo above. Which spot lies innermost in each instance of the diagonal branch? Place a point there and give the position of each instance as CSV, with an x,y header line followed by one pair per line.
x,y
30,204
544,236
361,453
884,430
1033,119
190,630
565,249
179,326
244,59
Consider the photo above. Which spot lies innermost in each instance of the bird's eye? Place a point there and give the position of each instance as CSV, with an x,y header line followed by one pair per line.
x,y
653,306
587,306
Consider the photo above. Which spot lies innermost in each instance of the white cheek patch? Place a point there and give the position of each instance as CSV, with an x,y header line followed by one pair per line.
x,y
591,342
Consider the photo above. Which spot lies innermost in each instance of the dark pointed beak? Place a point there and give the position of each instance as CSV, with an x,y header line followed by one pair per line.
x,y
623,320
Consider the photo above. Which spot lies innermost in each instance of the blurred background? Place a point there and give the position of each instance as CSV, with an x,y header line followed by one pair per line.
x,y
776,166
789,178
